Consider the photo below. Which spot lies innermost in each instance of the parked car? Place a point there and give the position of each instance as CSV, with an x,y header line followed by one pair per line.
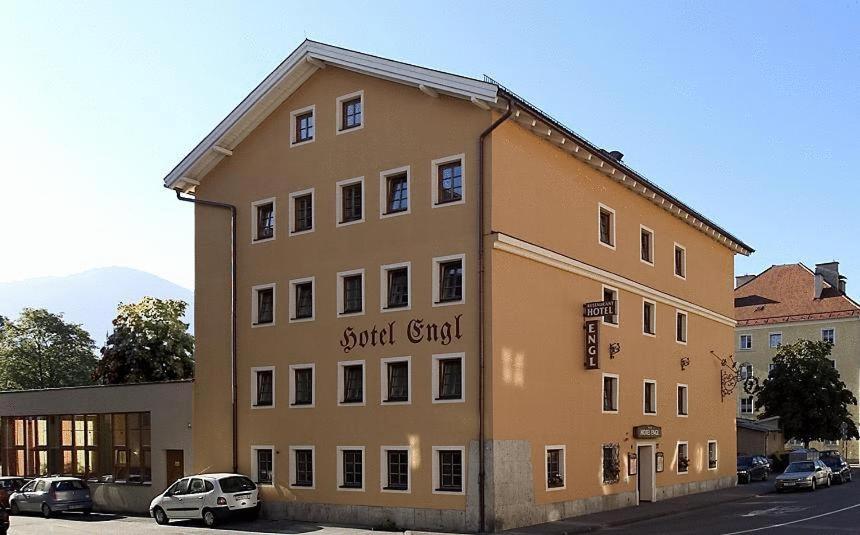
x,y
8,485
804,474
210,497
752,467
841,470
50,495
4,521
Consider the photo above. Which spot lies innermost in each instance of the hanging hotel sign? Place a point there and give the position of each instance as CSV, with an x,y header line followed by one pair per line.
x,y
417,331
597,309
647,431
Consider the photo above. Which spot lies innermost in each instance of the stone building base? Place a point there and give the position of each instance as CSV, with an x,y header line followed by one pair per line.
x,y
385,518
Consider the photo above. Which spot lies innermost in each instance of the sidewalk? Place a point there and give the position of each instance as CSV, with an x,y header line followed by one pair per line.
x,y
646,511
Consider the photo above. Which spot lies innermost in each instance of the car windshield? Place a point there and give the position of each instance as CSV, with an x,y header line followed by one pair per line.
x,y
832,461
806,466
71,484
236,484
744,461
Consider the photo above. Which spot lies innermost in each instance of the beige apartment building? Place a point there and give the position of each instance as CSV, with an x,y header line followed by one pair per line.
x,y
790,302
413,252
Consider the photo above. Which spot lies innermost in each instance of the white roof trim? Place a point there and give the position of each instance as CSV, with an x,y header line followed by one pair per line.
x,y
309,57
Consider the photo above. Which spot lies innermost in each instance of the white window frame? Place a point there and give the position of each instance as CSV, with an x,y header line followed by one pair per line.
x,y
770,344
340,474
292,481
338,127
292,211
383,380
741,404
339,201
254,466
563,462
616,394
603,288
437,283
653,317
383,468
293,284
741,342
340,386
340,288
653,382
650,231
254,207
829,329
683,263
295,113
434,179
716,455
293,369
383,191
686,327
255,304
686,400
613,223
435,483
678,455
254,371
434,381
383,286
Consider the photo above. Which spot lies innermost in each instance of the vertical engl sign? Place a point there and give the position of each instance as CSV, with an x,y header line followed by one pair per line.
x,y
599,310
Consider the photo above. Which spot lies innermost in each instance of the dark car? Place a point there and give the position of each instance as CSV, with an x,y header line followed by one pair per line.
x,y
752,467
4,521
841,469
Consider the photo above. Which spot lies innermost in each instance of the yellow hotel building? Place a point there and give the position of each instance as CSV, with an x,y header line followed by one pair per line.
x,y
411,254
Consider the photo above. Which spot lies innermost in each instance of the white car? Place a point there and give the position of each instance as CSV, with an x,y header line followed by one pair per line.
x,y
210,497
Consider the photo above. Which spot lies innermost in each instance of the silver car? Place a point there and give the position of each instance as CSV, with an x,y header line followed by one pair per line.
x,y
49,495
804,475
210,497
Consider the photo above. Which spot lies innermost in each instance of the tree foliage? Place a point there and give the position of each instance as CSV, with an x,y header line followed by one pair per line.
x,y
804,389
149,342
41,350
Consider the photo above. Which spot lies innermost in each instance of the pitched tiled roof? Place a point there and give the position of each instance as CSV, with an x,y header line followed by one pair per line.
x,y
786,293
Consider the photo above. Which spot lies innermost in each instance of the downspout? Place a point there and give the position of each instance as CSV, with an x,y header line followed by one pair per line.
x,y
233,365
481,232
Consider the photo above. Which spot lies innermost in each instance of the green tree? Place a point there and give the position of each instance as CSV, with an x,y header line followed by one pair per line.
x,y
149,342
41,350
805,391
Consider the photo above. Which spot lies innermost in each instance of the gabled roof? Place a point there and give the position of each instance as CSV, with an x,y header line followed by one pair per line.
x,y
311,56
786,293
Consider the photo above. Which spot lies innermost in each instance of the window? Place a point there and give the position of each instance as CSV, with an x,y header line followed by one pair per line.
x,y
683,458
649,317
610,393
746,372
646,245
681,327
555,469
448,378
448,280
650,397
394,192
132,447
263,305
396,286
350,382
302,466
606,226
449,181
611,294
263,220
770,368
350,292
395,375
680,261
302,299
351,473
302,211
828,335
712,455
263,387
611,464
745,342
350,201
775,340
303,125
263,463
682,400
448,469
395,468
302,385
350,112
747,405
78,442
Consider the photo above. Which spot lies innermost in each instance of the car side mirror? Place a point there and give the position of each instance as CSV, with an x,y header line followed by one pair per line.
x,y
818,469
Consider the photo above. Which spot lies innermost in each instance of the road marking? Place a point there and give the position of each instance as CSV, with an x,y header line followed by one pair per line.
x,y
793,521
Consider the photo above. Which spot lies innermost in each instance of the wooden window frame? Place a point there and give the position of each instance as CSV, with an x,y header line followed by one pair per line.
x,y
294,369
255,372
340,115
295,117
384,191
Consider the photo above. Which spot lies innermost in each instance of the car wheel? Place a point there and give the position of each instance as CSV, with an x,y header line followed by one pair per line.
x,y
46,510
160,516
209,518
13,508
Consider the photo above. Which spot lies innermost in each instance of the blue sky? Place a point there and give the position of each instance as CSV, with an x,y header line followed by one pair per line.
x,y
748,111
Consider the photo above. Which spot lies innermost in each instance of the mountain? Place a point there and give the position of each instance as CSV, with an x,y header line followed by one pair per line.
x,y
91,297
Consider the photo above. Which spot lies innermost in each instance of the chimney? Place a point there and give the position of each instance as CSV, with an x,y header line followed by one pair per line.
x,y
740,280
819,286
829,271
618,155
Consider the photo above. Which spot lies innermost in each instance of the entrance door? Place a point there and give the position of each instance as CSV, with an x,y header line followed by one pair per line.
x,y
175,462
646,479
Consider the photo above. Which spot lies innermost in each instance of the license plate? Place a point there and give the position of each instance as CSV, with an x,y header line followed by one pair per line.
x,y
788,484
242,496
